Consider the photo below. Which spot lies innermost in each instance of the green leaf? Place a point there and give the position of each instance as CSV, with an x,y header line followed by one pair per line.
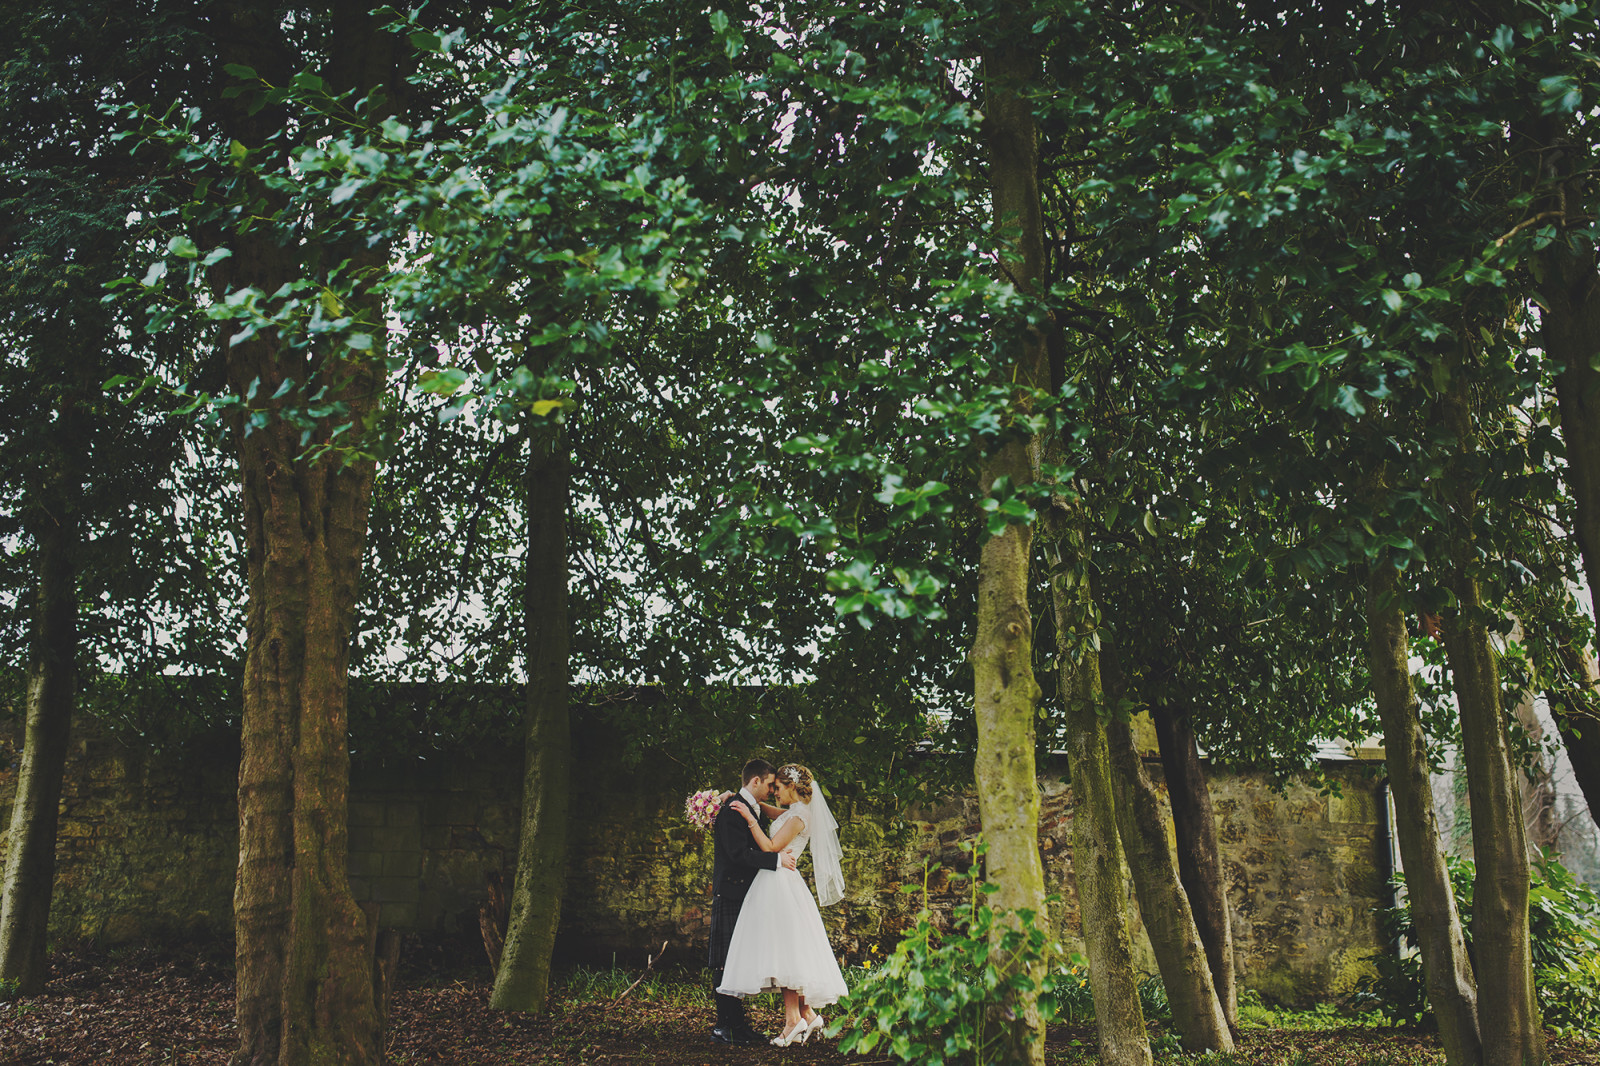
x,y
240,71
182,247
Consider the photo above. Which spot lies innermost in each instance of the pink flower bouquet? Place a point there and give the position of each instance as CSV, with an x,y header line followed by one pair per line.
x,y
701,808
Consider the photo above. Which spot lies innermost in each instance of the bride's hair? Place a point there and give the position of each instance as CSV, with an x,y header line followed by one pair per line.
x,y
798,778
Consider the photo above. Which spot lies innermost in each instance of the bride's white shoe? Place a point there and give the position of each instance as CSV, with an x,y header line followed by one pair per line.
x,y
797,1035
817,1023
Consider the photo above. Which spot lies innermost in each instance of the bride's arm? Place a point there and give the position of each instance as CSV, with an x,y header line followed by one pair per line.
x,y
766,808
788,832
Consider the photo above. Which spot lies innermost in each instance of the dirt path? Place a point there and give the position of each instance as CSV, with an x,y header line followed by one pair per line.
x,y
144,1008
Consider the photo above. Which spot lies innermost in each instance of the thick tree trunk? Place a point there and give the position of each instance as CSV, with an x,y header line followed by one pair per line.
x,y
1570,333
305,991
305,987
522,981
1452,994
1574,708
31,858
1508,1015
1097,859
1199,860
1005,693
1180,954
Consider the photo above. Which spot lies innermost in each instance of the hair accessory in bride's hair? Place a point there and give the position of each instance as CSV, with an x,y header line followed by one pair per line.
x,y
798,778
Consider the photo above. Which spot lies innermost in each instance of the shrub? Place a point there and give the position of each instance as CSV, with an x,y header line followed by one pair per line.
x,y
1564,936
933,998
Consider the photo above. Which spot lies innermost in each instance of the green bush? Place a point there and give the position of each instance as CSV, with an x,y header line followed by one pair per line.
x,y
933,999
1564,935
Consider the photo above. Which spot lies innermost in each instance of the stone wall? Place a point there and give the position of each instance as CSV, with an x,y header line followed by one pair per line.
x,y
148,850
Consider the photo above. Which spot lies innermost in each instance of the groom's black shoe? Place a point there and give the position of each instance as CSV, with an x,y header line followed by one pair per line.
x,y
748,1037
724,1035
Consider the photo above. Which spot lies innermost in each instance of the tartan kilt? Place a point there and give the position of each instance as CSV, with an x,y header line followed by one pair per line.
x,y
724,916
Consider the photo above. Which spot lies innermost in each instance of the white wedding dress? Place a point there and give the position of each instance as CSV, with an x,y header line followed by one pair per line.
x,y
779,941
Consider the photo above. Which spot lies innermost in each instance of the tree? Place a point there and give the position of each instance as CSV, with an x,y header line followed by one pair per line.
x,y
95,483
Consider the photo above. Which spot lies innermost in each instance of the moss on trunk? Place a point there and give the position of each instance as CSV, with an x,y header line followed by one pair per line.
x,y
31,857
1169,922
1098,863
1508,1014
1194,828
522,981
1447,970
1005,693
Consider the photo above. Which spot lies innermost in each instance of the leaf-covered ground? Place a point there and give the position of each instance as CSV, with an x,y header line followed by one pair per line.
x,y
144,1007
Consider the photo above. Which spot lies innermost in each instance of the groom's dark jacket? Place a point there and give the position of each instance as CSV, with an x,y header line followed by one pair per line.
x,y
738,858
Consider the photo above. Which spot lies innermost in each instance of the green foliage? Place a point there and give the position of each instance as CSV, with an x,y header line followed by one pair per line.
x,y
936,997
1564,935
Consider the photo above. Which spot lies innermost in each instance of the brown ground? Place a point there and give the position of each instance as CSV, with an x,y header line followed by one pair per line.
x,y
147,1008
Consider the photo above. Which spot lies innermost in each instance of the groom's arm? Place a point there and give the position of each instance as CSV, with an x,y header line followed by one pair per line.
x,y
736,843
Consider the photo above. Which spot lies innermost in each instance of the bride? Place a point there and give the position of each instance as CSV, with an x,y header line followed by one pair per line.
x,y
779,942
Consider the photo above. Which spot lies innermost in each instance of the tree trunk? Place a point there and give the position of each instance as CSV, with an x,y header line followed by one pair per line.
x,y
1097,859
1574,709
31,858
305,987
1508,1015
1452,995
522,981
1174,937
305,991
1570,333
1199,860
1536,786
1005,693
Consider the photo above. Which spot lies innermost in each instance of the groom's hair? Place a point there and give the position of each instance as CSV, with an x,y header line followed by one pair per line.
x,y
757,768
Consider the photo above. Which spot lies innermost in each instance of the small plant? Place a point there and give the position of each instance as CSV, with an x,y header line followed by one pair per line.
x,y
1153,1000
1564,939
1253,1013
932,999
1074,994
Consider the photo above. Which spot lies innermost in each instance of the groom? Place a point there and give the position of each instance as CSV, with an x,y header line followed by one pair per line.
x,y
738,858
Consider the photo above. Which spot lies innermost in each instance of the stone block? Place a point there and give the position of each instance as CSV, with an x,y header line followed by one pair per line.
x,y
396,890
365,812
397,915
360,888
1353,806
402,814
366,863
395,838
403,864
452,809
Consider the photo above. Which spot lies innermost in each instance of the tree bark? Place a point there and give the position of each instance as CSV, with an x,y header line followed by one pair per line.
x,y
1098,863
305,991
1574,709
1452,993
305,987
1508,1014
1570,333
1005,693
1169,922
1199,860
52,680
522,981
